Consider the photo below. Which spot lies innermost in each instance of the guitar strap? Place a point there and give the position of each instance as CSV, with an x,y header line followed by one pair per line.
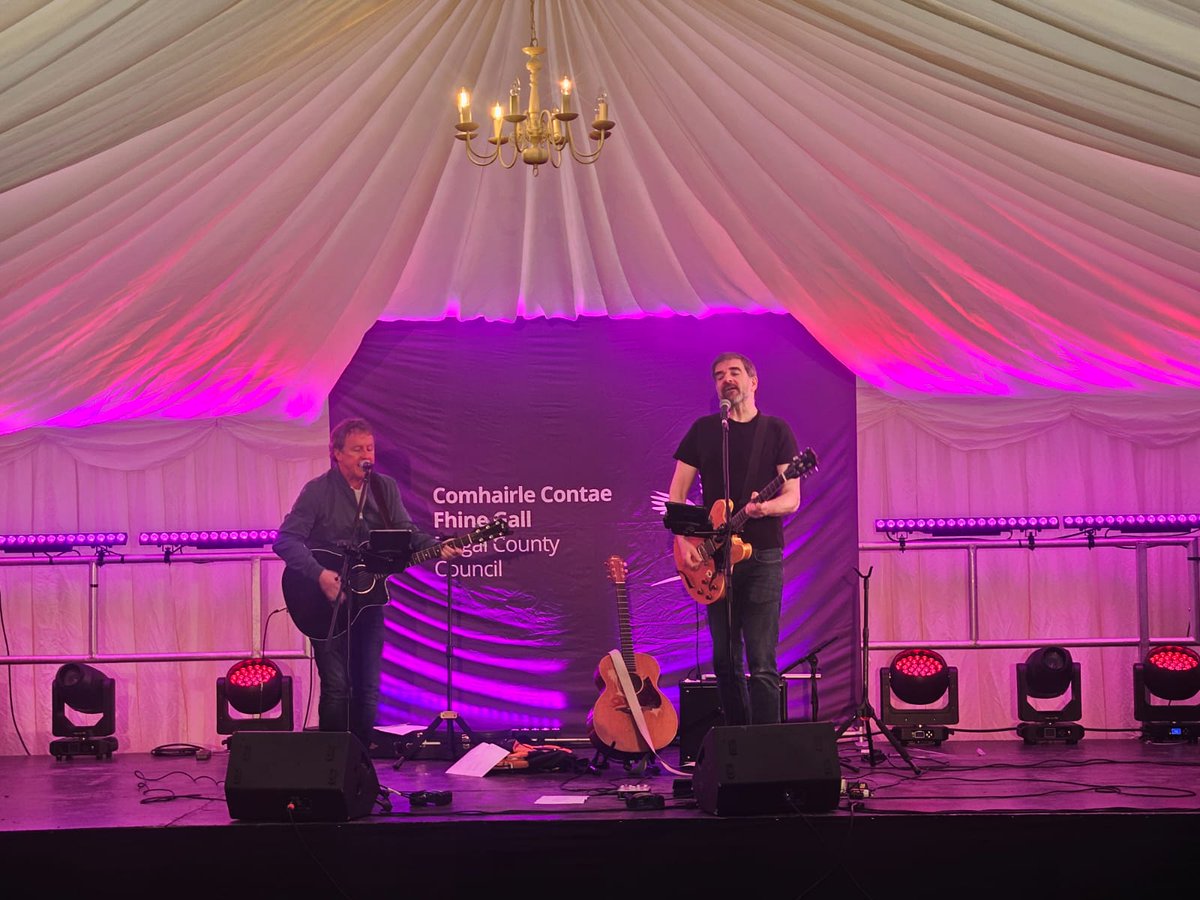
x,y
755,455
635,708
381,503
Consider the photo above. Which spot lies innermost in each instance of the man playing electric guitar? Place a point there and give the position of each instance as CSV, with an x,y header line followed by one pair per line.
x,y
325,515
761,448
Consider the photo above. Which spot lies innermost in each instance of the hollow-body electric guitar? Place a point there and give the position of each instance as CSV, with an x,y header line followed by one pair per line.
x,y
312,611
706,581
611,725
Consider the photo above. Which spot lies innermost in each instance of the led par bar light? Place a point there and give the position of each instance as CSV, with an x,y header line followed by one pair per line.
x,y
959,526
224,539
61,541
1138,523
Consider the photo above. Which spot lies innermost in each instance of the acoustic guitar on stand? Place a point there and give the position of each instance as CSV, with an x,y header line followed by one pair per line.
x,y
611,726
706,581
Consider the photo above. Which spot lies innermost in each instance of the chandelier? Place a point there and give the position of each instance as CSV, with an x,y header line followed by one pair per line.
x,y
538,135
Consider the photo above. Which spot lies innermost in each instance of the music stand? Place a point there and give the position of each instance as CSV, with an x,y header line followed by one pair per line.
x,y
688,520
387,550
448,715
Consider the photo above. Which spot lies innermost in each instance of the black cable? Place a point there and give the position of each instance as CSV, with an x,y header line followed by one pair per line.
x,y
176,750
313,856
12,709
151,794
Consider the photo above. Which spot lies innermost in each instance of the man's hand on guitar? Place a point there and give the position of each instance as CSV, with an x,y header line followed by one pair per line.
x,y
689,552
450,550
754,509
331,584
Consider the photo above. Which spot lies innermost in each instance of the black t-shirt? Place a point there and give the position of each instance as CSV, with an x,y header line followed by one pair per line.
x,y
701,449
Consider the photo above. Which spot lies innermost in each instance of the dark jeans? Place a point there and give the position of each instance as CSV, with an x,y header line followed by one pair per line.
x,y
757,592
350,693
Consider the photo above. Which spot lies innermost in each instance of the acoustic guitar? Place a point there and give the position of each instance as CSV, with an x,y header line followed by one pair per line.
x,y
312,611
611,726
706,581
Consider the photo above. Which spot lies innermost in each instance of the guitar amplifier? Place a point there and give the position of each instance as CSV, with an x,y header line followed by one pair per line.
x,y
700,710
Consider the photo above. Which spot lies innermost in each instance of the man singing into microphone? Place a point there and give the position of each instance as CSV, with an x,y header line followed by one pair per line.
x,y
760,447
325,516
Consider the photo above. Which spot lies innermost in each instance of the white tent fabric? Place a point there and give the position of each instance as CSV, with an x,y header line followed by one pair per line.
x,y
990,212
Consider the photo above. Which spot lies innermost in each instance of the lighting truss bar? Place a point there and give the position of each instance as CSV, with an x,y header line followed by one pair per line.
x,y
210,540
61,541
1138,523
950,526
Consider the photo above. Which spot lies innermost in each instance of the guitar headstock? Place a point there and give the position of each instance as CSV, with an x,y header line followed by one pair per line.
x,y
494,529
617,569
803,465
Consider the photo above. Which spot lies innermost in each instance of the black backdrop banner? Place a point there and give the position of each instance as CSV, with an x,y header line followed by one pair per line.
x,y
567,429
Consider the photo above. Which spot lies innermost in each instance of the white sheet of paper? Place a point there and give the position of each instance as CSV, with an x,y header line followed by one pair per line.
x,y
478,761
399,730
560,799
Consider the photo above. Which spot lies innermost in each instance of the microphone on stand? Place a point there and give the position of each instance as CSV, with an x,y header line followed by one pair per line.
x,y
367,466
725,404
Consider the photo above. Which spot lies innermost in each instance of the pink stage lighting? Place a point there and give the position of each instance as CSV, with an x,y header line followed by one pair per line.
x,y
61,541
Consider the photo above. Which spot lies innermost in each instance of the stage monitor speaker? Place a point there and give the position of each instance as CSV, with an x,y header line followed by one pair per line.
x,y
763,769
302,776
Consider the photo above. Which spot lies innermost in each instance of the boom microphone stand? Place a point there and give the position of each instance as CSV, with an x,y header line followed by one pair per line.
x,y
813,669
865,714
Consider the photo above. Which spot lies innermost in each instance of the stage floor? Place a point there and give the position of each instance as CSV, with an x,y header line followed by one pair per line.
x,y
1106,817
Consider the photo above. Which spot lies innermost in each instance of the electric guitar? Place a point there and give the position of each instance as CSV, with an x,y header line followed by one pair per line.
x,y
312,611
611,726
706,581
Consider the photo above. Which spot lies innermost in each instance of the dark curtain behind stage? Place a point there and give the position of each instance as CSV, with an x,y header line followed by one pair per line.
x,y
567,428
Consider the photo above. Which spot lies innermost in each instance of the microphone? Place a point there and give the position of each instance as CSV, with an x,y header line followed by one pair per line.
x,y
366,465
725,404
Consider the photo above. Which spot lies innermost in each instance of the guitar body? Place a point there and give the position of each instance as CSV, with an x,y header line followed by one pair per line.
x,y
706,582
311,610
611,727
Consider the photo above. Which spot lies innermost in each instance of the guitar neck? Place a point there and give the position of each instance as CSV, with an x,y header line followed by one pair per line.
x,y
626,631
436,550
766,492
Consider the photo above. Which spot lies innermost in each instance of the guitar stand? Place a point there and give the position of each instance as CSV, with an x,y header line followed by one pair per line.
x,y
641,765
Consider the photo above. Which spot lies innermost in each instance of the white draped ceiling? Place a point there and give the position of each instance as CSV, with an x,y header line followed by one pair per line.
x,y
988,211
206,204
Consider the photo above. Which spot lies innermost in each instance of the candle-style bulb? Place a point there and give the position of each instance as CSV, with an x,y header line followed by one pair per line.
x,y
514,98
464,106
565,84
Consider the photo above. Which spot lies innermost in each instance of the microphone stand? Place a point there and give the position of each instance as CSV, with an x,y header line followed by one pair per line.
x,y
448,716
736,678
865,715
356,539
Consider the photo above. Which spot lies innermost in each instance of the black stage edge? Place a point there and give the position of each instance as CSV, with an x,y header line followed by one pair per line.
x,y
1104,818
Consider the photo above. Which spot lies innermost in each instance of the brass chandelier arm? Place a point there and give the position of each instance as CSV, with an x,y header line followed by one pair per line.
x,y
586,157
496,155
